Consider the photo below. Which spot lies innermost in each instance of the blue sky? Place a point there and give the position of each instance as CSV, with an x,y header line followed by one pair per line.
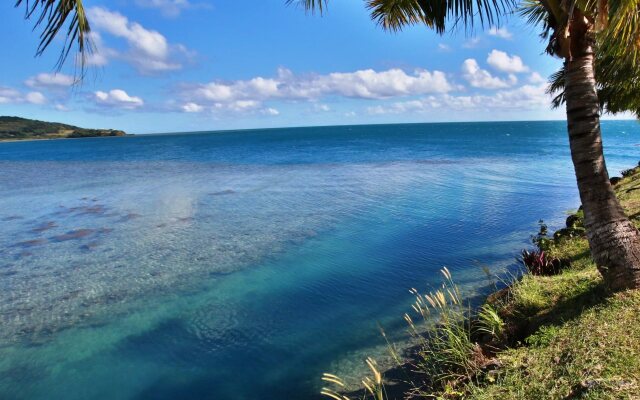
x,y
187,65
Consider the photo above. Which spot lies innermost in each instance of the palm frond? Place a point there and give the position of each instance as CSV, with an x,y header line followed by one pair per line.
x,y
436,14
618,86
395,14
621,37
53,16
537,13
556,88
311,5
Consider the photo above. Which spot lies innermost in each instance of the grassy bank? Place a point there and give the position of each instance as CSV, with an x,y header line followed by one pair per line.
x,y
558,335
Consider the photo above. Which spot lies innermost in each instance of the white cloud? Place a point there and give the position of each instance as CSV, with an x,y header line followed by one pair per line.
x,y
444,47
500,32
8,95
117,98
192,107
168,8
536,78
35,98
321,107
270,111
364,84
250,95
505,63
102,54
480,78
526,97
149,50
12,96
50,81
471,43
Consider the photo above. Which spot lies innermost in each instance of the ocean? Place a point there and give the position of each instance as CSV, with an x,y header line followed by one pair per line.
x,y
242,265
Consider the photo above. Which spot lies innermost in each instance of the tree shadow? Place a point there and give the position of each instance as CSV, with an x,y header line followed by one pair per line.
x,y
559,313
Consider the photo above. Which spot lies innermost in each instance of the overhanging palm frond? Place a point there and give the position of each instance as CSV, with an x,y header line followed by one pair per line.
x,y
53,16
556,88
619,30
437,14
311,5
618,87
537,13
395,14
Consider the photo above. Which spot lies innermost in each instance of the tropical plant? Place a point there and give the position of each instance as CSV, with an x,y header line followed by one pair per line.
x,y
53,16
538,262
576,31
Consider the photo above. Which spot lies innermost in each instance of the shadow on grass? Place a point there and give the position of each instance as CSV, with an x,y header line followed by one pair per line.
x,y
523,323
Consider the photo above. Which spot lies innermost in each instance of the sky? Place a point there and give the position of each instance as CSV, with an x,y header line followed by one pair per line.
x,y
197,65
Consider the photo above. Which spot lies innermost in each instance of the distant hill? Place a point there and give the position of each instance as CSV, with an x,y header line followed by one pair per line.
x,y
21,128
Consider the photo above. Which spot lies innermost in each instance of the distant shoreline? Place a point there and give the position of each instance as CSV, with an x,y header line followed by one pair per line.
x,y
8,140
13,129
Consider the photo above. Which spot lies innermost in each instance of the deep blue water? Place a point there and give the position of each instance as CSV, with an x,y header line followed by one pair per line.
x,y
242,265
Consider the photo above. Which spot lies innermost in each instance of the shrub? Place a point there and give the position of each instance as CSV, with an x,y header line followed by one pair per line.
x,y
629,172
538,263
540,240
489,322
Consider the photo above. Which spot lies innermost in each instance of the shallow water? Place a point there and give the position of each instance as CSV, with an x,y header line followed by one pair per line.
x,y
241,265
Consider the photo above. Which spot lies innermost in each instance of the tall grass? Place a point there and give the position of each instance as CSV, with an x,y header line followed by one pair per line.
x,y
443,328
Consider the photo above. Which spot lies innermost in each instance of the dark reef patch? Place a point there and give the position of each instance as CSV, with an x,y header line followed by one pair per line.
x,y
12,218
31,243
222,192
73,235
130,216
90,246
45,227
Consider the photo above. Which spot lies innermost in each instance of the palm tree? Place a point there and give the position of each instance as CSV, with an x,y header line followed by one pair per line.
x,y
575,29
54,15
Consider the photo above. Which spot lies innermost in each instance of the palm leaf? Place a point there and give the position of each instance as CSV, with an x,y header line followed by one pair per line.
x,y
436,14
52,16
311,5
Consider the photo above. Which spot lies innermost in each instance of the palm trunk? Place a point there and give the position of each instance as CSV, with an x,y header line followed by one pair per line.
x,y
614,240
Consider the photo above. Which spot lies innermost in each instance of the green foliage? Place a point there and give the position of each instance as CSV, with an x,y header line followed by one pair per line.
x,y
22,128
594,356
541,240
628,172
538,262
543,336
447,354
490,322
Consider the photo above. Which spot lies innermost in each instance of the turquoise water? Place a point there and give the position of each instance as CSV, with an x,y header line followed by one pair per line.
x,y
242,265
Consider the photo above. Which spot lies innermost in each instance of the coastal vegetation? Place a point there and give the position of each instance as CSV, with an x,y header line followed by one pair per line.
x,y
557,335
15,128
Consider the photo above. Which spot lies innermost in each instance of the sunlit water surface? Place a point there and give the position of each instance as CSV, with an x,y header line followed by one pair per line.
x,y
242,265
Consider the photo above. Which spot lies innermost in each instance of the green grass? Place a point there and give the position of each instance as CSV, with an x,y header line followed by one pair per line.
x,y
594,356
